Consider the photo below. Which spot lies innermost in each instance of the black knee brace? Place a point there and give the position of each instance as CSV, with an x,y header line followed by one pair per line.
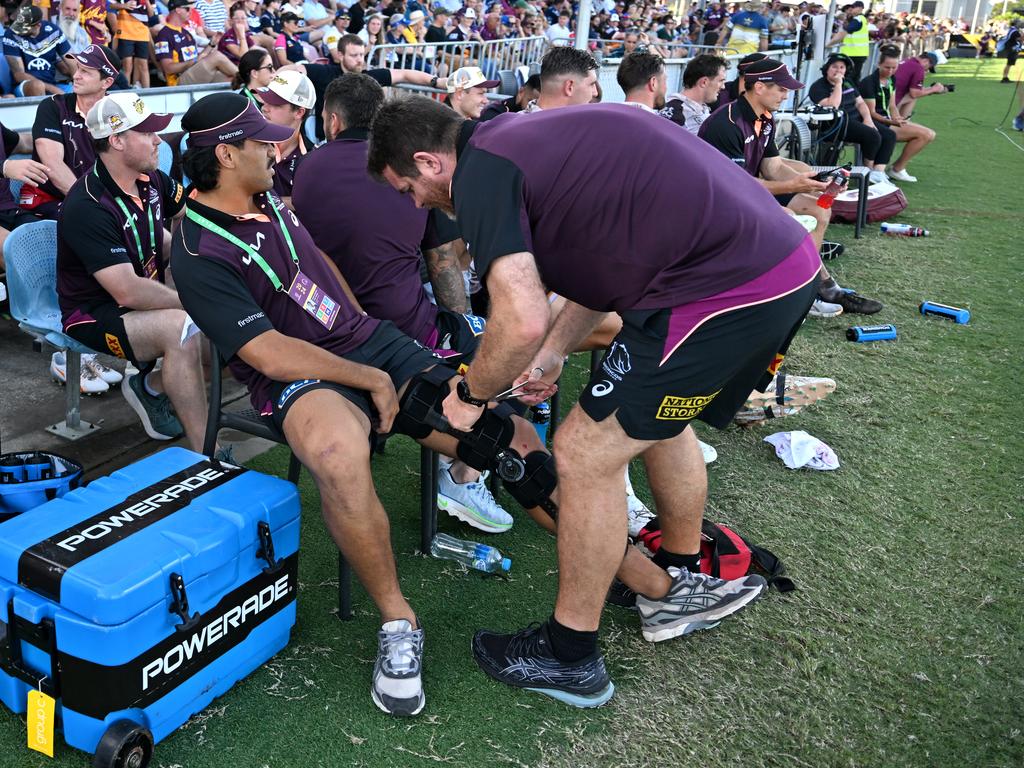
x,y
530,480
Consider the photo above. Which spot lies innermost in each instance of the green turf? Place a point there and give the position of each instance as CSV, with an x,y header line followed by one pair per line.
x,y
903,645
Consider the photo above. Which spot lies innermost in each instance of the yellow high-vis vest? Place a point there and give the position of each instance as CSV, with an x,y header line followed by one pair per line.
x,y
857,44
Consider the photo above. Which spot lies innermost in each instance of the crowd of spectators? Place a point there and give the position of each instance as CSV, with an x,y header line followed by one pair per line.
x,y
201,41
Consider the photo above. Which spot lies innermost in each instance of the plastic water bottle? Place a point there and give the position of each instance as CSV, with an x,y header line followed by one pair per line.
x,y
541,416
836,181
904,230
479,556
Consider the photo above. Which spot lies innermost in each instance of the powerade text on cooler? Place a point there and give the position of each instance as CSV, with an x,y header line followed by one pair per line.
x,y
871,332
956,314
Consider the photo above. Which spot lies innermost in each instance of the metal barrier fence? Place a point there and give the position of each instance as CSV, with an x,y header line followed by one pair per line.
x,y
444,58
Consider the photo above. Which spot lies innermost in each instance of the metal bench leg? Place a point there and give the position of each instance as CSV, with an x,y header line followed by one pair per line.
x,y
862,206
294,469
344,589
428,498
73,428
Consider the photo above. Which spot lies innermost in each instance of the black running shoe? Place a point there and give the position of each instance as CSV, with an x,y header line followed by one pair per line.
x,y
621,595
851,301
829,250
524,660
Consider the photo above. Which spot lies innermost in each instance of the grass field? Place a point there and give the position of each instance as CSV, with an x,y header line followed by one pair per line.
x,y
903,643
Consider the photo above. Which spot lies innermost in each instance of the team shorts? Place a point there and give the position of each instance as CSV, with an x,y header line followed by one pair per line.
x,y
138,49
101,328
461,333
654,391
1011,57
388,349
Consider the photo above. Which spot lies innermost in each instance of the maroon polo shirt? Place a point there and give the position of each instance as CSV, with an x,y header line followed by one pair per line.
x,y
58,119
739,134
285,168
623,233
373,233
93,233
234,302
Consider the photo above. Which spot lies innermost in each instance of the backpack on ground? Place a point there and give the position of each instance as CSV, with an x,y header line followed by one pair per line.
x,y
725,554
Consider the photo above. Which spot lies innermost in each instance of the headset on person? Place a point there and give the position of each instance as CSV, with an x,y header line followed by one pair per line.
x,y
832,59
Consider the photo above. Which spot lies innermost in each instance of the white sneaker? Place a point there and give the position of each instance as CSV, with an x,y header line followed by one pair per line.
x,y
708,451
3,292
397,674
90,383
108,375
901,175
822,308
876,177
472,503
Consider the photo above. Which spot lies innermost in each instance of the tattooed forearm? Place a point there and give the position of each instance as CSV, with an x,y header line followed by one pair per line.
x,y
446,277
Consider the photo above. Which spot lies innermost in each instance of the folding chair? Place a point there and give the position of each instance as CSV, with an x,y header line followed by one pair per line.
x,y
30,252
250,422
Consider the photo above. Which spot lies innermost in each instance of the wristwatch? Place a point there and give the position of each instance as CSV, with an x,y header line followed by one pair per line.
x,y
462,390
433,82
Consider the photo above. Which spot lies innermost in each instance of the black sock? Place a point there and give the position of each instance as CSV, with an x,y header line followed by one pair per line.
x,y
829,289
665,559
570,644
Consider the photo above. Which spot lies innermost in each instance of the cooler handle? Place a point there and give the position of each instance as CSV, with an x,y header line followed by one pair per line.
x,y
179,604
43,636
266,550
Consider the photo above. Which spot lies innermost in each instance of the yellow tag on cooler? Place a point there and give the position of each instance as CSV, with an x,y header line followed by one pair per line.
x,y
40,722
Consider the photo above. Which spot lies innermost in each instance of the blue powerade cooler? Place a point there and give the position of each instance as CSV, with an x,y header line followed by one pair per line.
x,y
136,601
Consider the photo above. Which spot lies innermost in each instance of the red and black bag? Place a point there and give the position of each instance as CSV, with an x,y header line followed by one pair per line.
x,y
726,554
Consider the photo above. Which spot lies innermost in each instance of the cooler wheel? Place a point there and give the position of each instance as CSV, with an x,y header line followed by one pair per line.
x,y
124,745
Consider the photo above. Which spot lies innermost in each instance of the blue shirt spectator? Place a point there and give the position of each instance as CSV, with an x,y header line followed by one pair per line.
x,y
35,50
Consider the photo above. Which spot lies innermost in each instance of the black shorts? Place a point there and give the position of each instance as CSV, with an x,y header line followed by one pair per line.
x,y
135,48
1011,57
14,218
388,349
707,377
785,199
101,328
462,333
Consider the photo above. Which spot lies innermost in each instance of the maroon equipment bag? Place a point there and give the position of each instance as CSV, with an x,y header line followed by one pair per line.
x,y
884,201
725,554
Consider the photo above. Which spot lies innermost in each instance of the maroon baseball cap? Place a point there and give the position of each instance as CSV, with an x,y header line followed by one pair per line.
x,y
98,57
770,71
224,118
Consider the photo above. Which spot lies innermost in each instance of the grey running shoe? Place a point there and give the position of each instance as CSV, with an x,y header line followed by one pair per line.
x,y
695,601
157,416
524,659
397,684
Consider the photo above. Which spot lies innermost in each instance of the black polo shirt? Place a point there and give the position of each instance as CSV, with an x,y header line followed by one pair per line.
x,y
322,75
620,234
739,134
821,89
871,88
93,233
233,302
58,119
373,233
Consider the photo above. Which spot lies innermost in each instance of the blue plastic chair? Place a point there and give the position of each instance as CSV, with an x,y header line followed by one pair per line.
x,y
30,252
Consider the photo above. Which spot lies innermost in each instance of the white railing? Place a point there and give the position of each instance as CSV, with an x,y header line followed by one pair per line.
x,y
444,58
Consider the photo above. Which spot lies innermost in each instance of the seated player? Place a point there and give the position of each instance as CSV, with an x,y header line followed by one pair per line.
x,y
287,101
112,275
380,259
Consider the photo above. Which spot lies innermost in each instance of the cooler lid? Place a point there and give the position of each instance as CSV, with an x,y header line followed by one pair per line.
x,y
106,552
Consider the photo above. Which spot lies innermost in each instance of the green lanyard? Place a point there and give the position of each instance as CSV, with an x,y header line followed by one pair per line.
x,y
135,231
250,96
886,92
249,250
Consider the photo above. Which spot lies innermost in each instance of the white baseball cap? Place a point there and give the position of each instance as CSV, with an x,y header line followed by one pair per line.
x,y
467,77
123,111
289,87
469,13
